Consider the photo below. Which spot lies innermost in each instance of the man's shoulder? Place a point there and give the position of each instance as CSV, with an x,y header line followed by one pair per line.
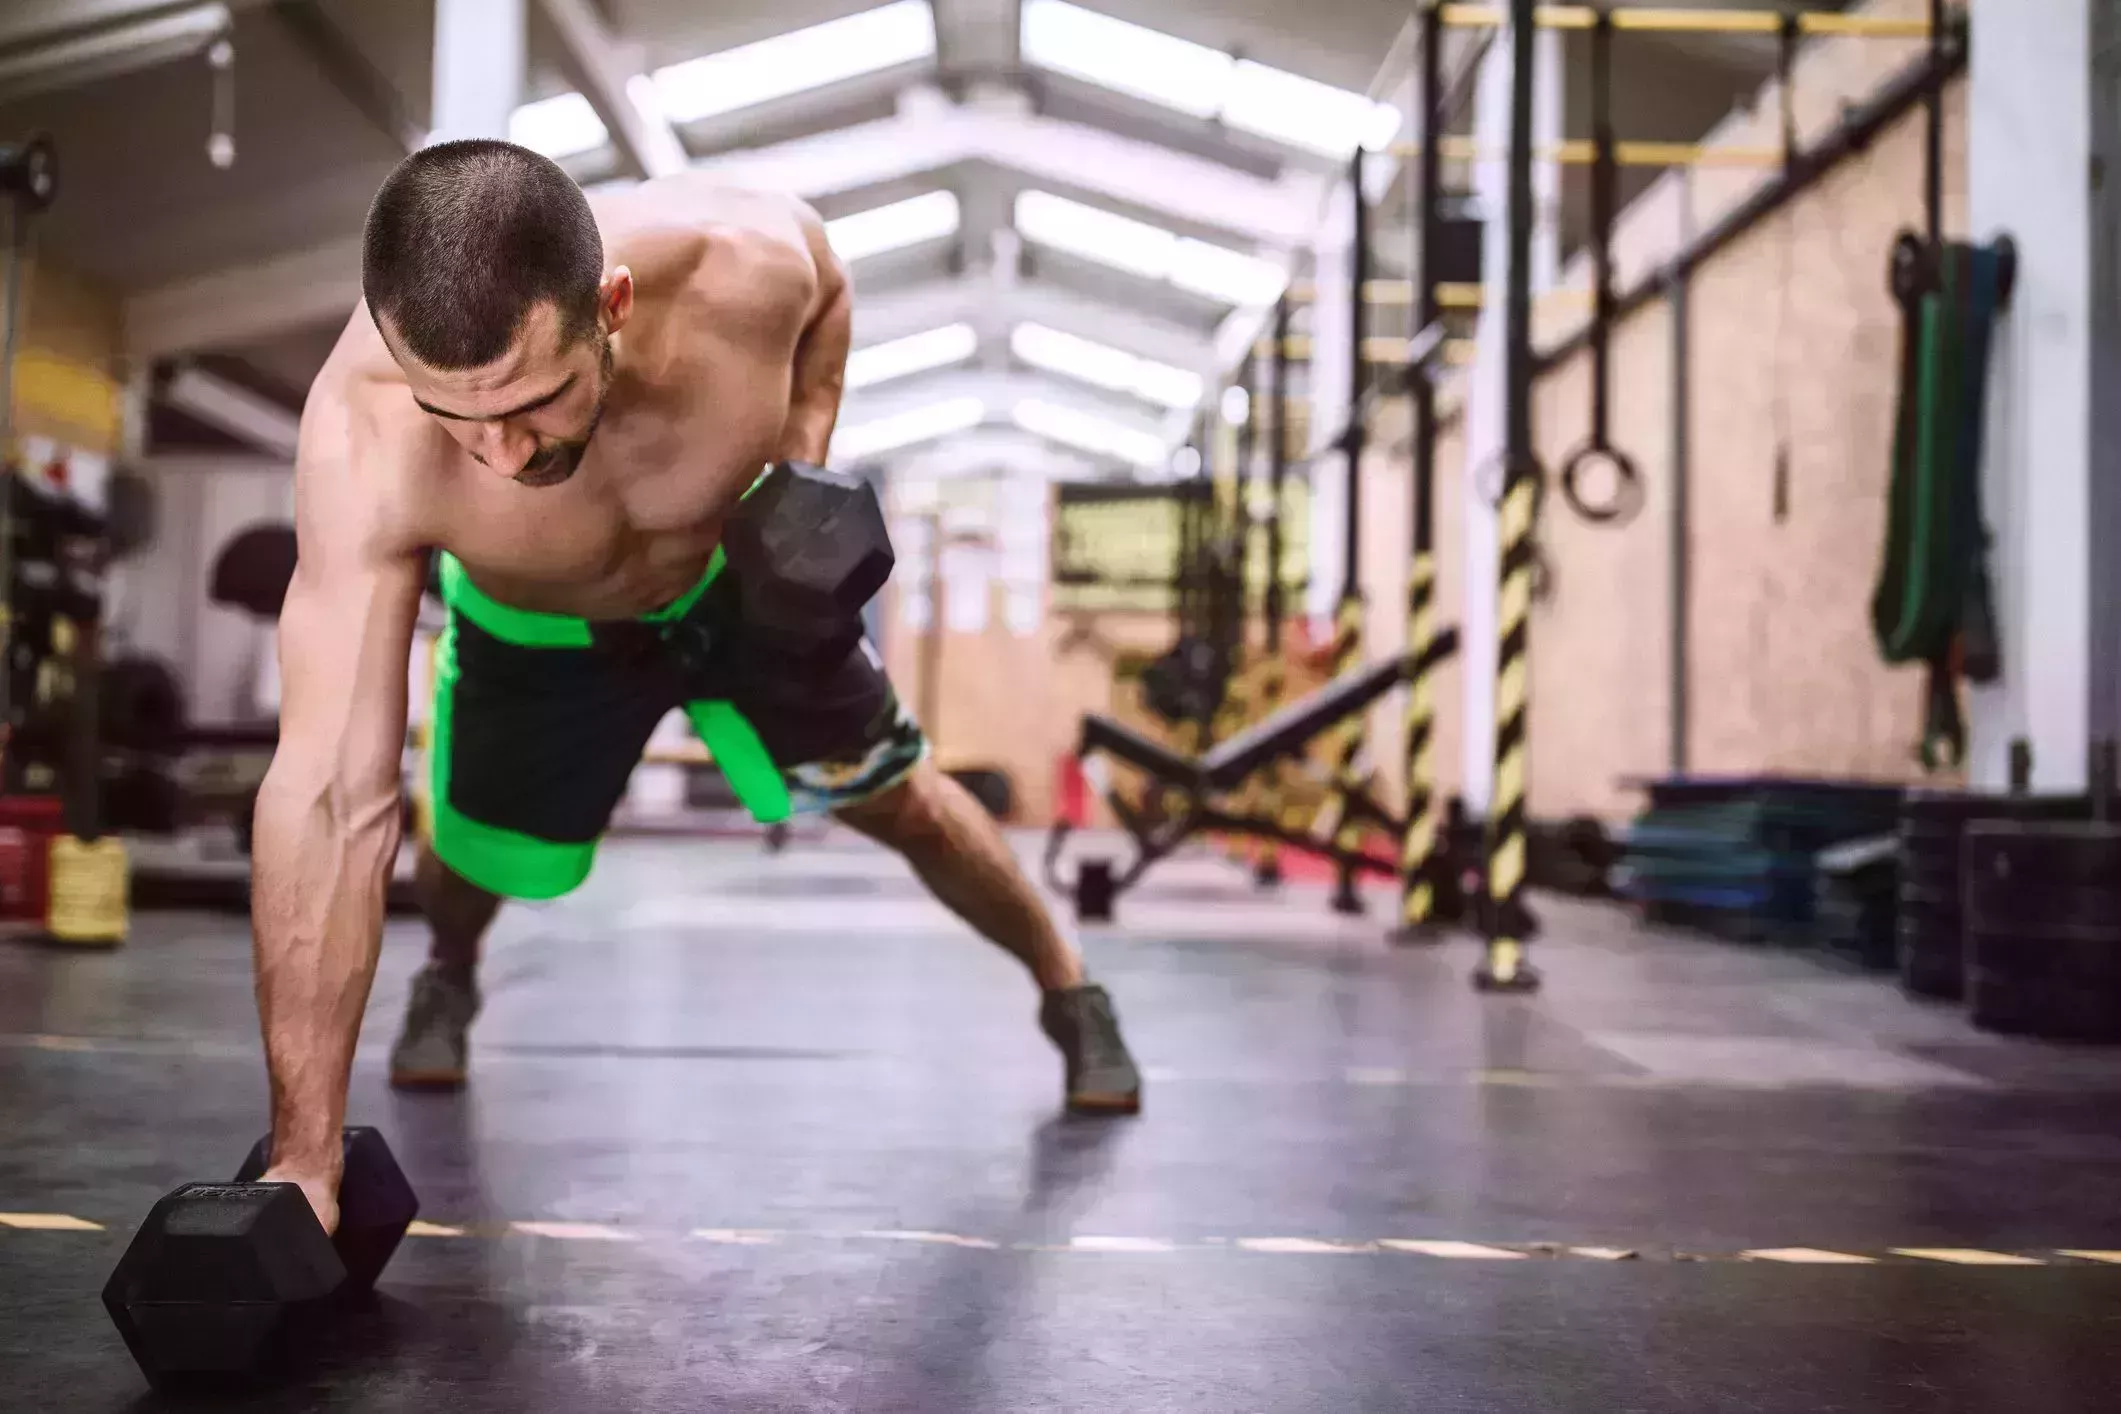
x,y
366,450
704,201
718,250
360,402
704,223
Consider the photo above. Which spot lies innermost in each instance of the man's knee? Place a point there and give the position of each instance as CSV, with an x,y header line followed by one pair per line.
x,y
446,894
909,816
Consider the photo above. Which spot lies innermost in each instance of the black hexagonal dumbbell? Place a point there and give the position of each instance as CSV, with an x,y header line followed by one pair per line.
x,y
222,1277
808,549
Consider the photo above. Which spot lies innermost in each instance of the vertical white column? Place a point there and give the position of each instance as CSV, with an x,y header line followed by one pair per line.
x,y
2031,177
478,67
1332,316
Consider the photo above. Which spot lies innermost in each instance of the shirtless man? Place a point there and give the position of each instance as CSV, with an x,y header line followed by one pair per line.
x,y
567,402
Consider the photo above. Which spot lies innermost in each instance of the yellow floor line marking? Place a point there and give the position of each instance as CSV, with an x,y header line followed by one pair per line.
x,y
2089,1255
1375,1075
1527,1078
48,1222
1968,1257
1121,1244
736,1236
423,1229
1299,1245
1604,1254
1451,1251
1813,1256
940,1239
575,1232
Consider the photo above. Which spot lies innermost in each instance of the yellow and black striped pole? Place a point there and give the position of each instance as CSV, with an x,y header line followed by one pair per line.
x,y
1348,614
1266,869
1347,753
1504,968
1419,860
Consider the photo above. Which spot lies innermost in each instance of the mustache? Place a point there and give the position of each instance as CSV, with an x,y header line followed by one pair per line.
x,y
553,464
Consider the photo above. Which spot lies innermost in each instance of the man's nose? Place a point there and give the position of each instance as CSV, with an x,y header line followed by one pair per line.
x,y
505,448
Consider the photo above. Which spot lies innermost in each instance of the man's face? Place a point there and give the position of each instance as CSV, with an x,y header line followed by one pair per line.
x,y
529,414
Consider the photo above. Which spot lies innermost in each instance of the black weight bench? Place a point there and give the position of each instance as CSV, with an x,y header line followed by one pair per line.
x,y
1199,780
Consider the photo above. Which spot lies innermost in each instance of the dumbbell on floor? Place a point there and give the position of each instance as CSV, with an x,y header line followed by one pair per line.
x,y
808,549
221,1276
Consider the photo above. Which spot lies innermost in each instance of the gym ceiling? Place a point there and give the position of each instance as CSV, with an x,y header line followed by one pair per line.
x,y
1014,324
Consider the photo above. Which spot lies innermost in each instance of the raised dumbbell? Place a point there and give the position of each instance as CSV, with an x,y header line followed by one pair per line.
x,y
222,1276
808,548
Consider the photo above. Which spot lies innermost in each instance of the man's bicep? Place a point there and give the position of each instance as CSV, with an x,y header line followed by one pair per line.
x,y
821,358
345,646
819,376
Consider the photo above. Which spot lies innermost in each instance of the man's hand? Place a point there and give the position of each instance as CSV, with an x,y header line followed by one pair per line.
x,y
321,1189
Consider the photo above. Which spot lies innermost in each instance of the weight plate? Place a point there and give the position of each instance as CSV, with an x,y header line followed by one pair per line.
x,y
2012,905
1923,923
2054,1013
2045,877
1928,970
1916,861
1931,813
2092,958
2087,850
1921,916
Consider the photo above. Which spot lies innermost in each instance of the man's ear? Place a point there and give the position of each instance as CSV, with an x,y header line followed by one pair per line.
x,y
615,299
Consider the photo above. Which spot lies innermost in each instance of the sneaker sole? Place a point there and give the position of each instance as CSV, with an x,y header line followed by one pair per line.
x,y
1105,1104
427,1080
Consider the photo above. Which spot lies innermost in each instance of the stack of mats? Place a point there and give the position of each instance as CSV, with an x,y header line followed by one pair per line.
x,y
1738,856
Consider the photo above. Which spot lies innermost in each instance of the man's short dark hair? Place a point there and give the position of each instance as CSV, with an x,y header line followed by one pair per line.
x,y
466,238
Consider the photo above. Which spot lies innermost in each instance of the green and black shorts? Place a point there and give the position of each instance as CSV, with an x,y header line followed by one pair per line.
x,y
540,719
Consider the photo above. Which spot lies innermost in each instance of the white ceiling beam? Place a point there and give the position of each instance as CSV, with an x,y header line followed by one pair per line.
x,y
609,77
1000,392
894,314
26,21
212,464
68,60
1155,178
928,136
916,141
235,410
988,450
249,302
977,36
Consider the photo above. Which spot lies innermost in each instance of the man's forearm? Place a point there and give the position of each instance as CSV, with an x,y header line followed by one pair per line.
x,y
807,434
318,923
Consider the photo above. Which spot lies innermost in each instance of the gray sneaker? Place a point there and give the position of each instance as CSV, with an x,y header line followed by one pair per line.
x,y
1101,1077
430,1054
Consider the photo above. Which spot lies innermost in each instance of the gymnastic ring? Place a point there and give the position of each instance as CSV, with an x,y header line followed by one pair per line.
x,y
2006,251
1913,270
1627,496
1490,479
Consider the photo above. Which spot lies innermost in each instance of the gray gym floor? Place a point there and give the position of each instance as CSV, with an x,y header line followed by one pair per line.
x,y
757,1133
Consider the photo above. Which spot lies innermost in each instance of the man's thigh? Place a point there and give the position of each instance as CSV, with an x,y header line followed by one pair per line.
x,y
829,739
531,750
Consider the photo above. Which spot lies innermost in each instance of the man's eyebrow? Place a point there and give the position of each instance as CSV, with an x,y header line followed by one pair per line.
x,y
532,406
